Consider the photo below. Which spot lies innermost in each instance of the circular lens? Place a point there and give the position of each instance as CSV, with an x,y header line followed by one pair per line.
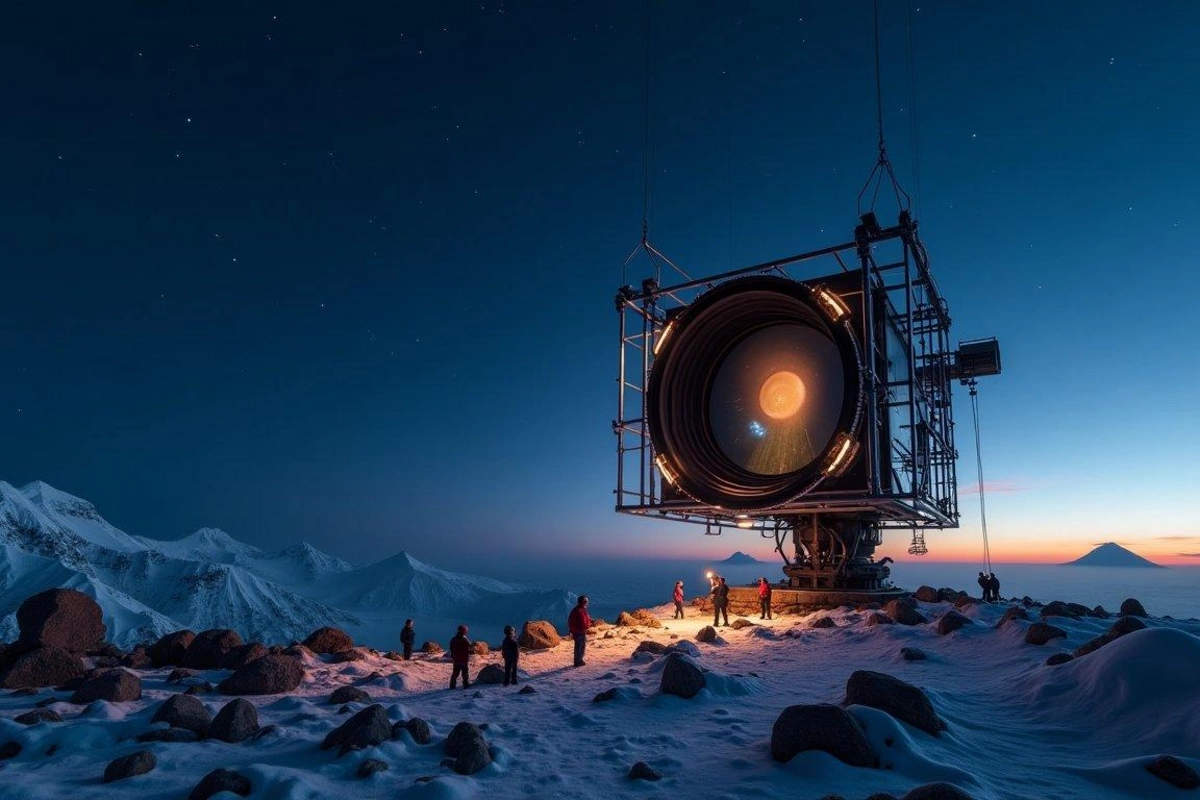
x,y
777,398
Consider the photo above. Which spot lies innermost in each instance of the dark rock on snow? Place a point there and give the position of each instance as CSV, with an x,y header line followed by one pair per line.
x,y
641,771
9,750
180,675
913,654
138,763
820,727
824,622
45,666
1059,658
221,780
210,648
706,634
681,676
38,715
1013,612
234,723
343,656
62,618
267,675
184,711
370,766
1173,771
417,728
936,791
538,635
433,648
328,640
138,659
171,649
879,618
904,610
114,685
241,656
491,673
367,728
927,594
349,694
952,621
1119,628
656,648
468,747
527,690
902,700
1041,632
1132,608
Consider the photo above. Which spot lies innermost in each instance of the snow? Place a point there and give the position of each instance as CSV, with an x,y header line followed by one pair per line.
x,y
1017,729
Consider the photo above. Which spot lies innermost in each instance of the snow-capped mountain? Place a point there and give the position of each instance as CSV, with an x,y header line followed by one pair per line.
x,y
148,587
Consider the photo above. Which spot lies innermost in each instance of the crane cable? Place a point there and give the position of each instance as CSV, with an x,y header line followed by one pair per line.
x,y
883,166
987,553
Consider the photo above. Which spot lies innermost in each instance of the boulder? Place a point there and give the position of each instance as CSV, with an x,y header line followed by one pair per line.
x,y
38,715
114,685
370,766
927,594
417,728
180,675
952,621
137,659
681,676
904,610
706,634
349,694
740,623
936,791
491,673
902,700
184,711
62,618
460,736
1042,632
1119,628
879,618
45,666
1078,610
823,622
234,723
606,695
138,763
267,675
367,728
328,640
1099,612
1059,658
1013,612
654,648
204,687
469,749
913,654
432,648
641,771
209,649
296,650
241,656
820,727
1171,769
344,656
950,595
964,600
221,780
638,617
538,635
527,690
170,650
480,648
1057,608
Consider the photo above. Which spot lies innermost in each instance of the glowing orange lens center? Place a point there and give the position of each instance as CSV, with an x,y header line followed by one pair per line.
x,y
782,395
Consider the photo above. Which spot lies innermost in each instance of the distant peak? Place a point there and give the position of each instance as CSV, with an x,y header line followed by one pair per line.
x,y
1111,554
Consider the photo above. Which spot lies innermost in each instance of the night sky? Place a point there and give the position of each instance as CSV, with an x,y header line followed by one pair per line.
x,y
345,274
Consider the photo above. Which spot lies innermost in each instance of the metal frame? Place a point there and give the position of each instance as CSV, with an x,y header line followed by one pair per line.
x,y
896,282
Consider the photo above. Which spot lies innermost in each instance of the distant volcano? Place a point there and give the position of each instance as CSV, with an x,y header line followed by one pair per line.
x,y
740,558
1111,554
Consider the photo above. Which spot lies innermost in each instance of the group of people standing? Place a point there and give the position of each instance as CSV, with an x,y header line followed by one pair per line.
x,y
719,592
990,585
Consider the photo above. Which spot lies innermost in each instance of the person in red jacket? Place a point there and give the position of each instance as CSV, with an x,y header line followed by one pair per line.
x,y
460,654
578,622
678,598
764,598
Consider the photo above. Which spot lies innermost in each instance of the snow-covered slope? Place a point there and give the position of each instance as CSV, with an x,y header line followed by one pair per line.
x,y
79,516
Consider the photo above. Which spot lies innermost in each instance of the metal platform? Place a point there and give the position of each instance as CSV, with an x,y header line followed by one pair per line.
x,y
743,600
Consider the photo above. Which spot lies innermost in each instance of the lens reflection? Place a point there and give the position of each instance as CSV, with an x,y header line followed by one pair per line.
x,y
776,399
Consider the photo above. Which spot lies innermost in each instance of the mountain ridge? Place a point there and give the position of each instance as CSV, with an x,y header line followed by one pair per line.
x,y
1111,554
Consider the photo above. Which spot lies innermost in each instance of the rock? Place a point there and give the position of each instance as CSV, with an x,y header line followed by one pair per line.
x,y
654,648
349,694
433,648
1078,610
641,771
180,675
204,687
964,600
527,690
820,727
367,728
171,649
241,656
209,649
220,780
824,622
62,618
881,796
45,666
417,728
38,715
605,696
1013,612
138,763
936,791
236,722
1056,608
638,617
879,618
902,700
184,711
168,735
491,673
468,747
904,610
1170,768
738,624
538,635
370,766
479,648
1099,612
328,640
267,675
681,676
1059,658
952,621
1119,628
115,686
343,656
927,594
299,651
1042,632
9,750
706,634
138,659
105,662
949,595
913,654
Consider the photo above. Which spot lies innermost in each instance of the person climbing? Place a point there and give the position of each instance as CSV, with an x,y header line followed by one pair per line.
x,y
764,598
720,595
460,654
994,587
578,623
510,651
982,580
408,635
678,598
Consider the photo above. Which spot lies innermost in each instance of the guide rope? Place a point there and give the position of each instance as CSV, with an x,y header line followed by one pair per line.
x,y
987,553
883,167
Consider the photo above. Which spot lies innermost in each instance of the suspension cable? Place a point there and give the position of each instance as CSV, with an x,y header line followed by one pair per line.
x,y
987,553
912,114
883,167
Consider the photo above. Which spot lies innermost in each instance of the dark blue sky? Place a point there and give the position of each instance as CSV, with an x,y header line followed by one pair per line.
x,y
302,272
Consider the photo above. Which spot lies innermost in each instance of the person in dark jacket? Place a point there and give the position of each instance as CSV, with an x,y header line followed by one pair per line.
x,y
460,654
764,598
720,595
984,586
511,652
678,598
408,635
578,622
994,587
